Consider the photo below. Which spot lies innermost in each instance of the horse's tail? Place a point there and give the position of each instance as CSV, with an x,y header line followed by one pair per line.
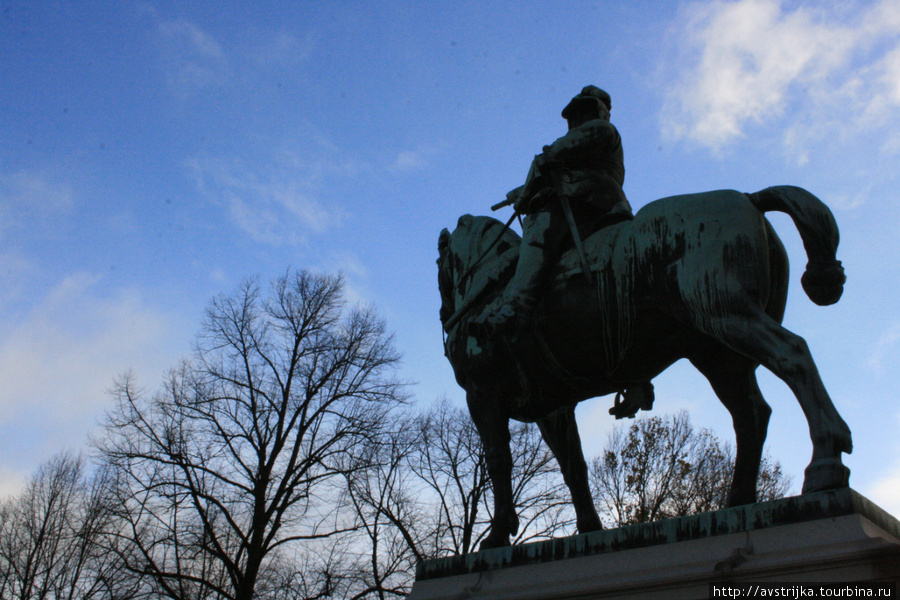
x,y
824,278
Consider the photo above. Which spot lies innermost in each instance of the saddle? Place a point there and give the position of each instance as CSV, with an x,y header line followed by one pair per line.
x,y
613,279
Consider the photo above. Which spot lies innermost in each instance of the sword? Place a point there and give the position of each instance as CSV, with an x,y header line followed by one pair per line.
x,y
573,228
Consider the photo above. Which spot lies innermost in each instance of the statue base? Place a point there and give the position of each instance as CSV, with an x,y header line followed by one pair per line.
x,y
836,536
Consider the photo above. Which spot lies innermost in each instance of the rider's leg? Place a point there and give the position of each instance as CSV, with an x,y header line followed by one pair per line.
x,y
542,234
537,256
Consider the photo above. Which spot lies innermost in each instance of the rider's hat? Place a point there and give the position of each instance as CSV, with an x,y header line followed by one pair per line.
x,y
590,94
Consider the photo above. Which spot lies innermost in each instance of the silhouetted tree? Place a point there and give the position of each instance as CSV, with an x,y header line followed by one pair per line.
x,y
660,468
450,461
424,492
392,524
53,538
231,471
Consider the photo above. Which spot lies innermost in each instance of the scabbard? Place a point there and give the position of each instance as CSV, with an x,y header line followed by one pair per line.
x,y
579,246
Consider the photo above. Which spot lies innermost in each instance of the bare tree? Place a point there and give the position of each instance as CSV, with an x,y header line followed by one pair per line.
x,y
233,464
52,538
422,491
450,464
449,461
661,468
392,525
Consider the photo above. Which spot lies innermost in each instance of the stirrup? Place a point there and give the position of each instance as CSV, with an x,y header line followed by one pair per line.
x,y
633,399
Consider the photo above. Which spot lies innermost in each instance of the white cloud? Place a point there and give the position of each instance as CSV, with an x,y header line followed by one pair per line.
x,y
192,59
32,206
276,203
890,77
11,482
13,264
28,198
347,262
71,341
218,275
850,201
415,159
285,49
831,71
58,361
884,347
15,268
409,161
35,190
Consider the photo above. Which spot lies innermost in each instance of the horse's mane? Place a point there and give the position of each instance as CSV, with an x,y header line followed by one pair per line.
x,y
478,257
475,235
481,245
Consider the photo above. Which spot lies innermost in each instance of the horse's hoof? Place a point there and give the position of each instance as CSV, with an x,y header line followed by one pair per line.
x,y
492,541
589,524
826,474
590,528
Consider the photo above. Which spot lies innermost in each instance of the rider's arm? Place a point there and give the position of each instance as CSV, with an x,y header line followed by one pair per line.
x,y
590,137
514,196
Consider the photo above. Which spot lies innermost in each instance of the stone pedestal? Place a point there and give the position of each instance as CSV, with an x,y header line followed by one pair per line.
x,y
836,536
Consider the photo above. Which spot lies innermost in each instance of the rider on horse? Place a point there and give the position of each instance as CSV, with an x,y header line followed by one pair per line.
x,y
574,188
583,170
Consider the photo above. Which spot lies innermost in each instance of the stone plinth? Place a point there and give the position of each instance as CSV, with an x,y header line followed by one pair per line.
x,y
836,536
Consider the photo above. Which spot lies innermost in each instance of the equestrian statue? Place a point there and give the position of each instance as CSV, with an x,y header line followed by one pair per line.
x,y
594,300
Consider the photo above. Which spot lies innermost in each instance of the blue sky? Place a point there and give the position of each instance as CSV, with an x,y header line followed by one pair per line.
x,y
156,153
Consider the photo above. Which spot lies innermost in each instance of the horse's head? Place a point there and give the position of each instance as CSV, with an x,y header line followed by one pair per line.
x,y
467,254
445,276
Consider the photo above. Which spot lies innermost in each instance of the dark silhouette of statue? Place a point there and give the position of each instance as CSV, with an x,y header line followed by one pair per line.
x,y
607,305
573,188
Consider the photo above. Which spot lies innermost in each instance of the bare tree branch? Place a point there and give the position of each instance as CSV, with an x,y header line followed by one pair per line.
x,y
223,468
660,467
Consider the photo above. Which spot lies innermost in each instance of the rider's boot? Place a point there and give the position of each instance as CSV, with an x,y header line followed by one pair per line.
x,y
537,256
621,211
638,396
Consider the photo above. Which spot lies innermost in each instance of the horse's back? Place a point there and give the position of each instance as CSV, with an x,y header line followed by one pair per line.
x,y
695,226
690,205
711,252
667,231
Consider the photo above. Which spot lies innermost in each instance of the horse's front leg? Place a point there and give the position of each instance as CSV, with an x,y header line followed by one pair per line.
x,y
560,431
493,427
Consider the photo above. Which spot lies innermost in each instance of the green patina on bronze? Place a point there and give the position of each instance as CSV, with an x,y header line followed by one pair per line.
x,y
699,276
785,511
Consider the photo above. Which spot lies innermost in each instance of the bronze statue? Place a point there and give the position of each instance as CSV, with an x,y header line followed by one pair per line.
x,y
573,188
700,276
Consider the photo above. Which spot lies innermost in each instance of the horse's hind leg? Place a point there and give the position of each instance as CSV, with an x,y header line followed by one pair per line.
x,y
733,378
762,339
560,431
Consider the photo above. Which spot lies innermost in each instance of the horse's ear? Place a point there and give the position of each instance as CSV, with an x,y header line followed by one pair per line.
x,y
443,239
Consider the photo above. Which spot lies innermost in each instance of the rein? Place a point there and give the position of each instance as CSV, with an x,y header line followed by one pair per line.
x,y
462,310
467,306
486,250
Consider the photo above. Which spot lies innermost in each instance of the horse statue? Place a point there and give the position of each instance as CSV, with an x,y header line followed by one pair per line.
x,y
698,276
